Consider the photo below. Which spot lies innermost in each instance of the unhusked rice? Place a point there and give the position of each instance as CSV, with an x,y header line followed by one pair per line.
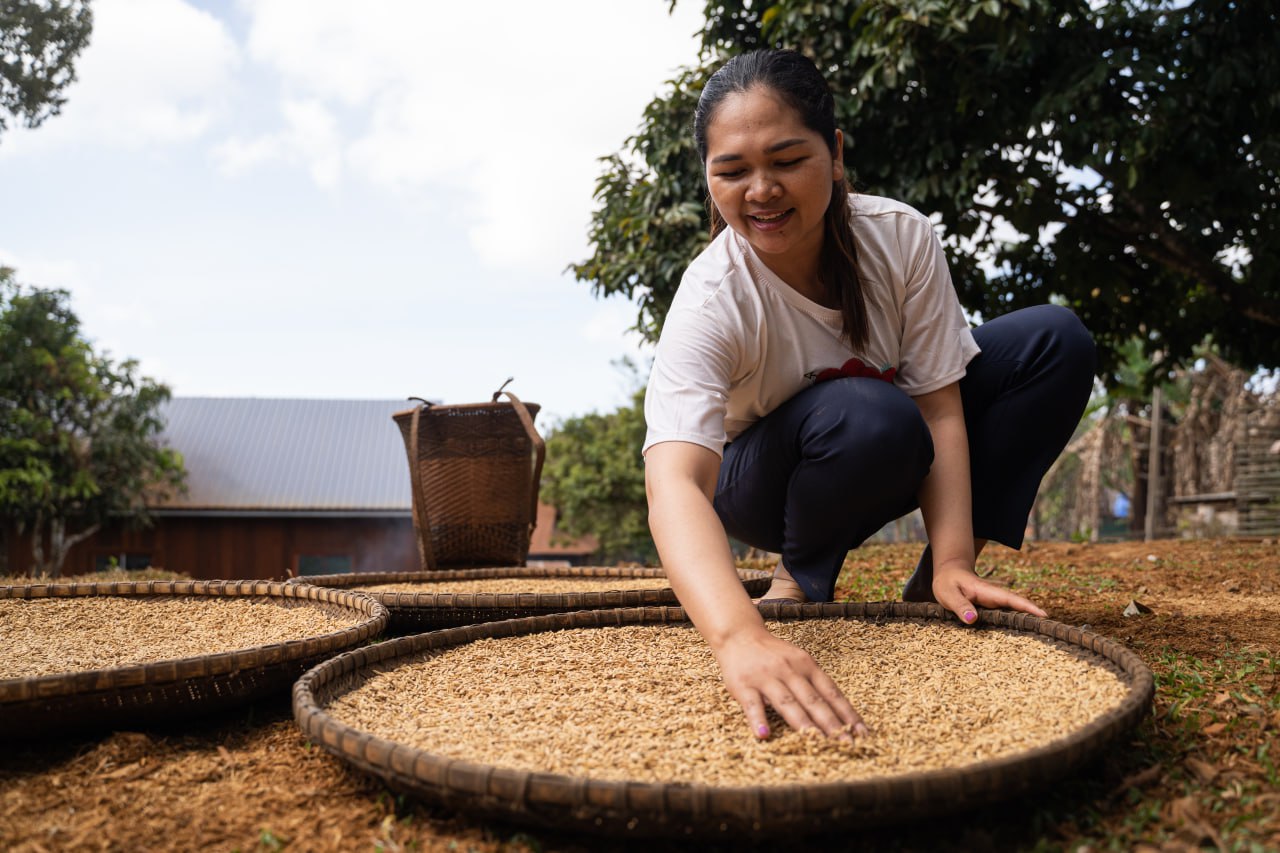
x,y
501,585
45,636
647,703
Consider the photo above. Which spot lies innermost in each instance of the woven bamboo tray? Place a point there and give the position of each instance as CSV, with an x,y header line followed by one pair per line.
x,y
414,612
162,691
623,808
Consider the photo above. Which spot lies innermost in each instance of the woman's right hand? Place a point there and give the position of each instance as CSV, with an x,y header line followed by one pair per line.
x,y
762,670
759,669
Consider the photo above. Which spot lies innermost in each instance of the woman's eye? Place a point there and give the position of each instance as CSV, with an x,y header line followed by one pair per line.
x,y
787,163
733,173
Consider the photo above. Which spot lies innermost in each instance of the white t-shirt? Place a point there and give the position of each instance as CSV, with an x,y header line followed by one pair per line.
x,y
738,342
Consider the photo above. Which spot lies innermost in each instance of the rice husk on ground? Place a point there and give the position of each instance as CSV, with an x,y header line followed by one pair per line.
x,y
646,703
1198,773
45,636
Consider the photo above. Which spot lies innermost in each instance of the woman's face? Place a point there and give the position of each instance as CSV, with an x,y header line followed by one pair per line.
x,y
771,178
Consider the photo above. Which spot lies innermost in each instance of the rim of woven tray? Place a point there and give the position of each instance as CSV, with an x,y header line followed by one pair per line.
x,y
518,789
177,669
511,600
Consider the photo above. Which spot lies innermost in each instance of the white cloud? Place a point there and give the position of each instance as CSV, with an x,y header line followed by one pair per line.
x,y
236,155
47,274
98,309
350,53
512,103
611,322
155,72
310,138
176,198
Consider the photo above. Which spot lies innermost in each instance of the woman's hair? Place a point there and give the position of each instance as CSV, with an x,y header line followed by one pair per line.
x,y
801,86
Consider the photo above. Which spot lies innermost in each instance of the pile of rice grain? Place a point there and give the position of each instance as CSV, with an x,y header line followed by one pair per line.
x,y
47,636
647,703
501,585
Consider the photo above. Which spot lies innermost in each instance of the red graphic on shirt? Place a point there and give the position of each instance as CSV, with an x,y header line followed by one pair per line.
x,y
854,367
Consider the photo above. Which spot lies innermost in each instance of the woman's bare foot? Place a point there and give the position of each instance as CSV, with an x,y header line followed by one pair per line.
x,y
784,587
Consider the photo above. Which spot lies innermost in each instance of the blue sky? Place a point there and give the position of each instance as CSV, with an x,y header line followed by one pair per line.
x,y
304,198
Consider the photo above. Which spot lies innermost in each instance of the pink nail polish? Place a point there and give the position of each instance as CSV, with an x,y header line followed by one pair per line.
x,y
969,616
762,731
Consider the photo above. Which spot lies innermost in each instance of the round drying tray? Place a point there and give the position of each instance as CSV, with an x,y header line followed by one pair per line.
x,y
163,690
682,809
436,607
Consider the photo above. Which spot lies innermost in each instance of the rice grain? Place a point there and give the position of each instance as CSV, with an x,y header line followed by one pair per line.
x,y
646,703
516,585
46,636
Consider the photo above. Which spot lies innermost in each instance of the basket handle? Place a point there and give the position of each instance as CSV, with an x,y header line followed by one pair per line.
x,y
420,518
539,448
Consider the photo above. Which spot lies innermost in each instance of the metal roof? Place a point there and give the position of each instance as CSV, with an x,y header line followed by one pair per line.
x,y
273,456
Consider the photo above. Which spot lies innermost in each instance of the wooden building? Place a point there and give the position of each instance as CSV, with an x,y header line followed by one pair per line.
x,y
278,487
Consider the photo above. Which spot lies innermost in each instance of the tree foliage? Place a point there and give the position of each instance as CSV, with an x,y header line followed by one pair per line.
x,y
1118,157
39,42
78,432
594,477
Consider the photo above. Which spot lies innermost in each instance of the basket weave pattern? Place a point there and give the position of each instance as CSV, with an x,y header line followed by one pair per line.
x,y
681,810
150,693
475,471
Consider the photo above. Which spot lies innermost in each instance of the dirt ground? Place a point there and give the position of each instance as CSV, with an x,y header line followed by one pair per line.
x,y
1199,773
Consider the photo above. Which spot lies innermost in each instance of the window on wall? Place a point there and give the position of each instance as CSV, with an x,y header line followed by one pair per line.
x,y
127,560
325,564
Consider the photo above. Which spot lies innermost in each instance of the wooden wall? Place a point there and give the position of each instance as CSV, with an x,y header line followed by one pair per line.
x,y
208,548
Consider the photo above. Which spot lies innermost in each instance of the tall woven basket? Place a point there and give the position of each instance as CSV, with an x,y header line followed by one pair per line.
x,y
474,470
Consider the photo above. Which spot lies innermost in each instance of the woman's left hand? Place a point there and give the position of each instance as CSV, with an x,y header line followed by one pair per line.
x,y
961,591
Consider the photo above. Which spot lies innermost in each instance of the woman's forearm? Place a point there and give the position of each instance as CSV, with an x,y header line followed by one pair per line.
x,y
945,495
692,544
946,501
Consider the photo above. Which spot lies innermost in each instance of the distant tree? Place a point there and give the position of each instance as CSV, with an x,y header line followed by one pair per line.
x,y
39,42
1119,157
594,477
78,432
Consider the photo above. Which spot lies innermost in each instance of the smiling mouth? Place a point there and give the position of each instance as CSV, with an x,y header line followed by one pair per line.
x,y
770,217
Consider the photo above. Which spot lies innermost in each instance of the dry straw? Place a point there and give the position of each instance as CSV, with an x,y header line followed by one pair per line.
x,y
618,721
95,655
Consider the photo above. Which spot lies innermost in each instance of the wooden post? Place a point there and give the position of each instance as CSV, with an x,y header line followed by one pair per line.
x,y
1153,466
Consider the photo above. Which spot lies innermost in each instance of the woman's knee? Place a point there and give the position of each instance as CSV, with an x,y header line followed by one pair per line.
x,y
861,423
1070,339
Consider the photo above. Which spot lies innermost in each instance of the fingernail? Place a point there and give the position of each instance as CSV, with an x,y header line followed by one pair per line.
x,y
762,731
969,616
861,731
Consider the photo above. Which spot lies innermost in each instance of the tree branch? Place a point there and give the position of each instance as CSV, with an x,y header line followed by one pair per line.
x,y
1170,250
66,543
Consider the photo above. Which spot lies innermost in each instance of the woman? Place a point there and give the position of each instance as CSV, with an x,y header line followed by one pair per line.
x,y
816,379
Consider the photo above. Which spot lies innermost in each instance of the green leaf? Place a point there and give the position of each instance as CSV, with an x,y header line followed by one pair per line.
x,y
78,432
1169,113
769,16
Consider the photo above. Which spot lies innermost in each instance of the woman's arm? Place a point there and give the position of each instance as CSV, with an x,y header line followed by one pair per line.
x,y
758,668
947,506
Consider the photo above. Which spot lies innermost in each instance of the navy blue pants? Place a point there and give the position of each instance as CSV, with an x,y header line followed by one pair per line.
x,y
835,463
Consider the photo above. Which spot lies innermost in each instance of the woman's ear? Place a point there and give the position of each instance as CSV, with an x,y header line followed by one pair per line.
x,y
837,162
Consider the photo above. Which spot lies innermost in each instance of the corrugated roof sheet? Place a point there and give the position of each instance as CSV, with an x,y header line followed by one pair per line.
x,y
281,455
